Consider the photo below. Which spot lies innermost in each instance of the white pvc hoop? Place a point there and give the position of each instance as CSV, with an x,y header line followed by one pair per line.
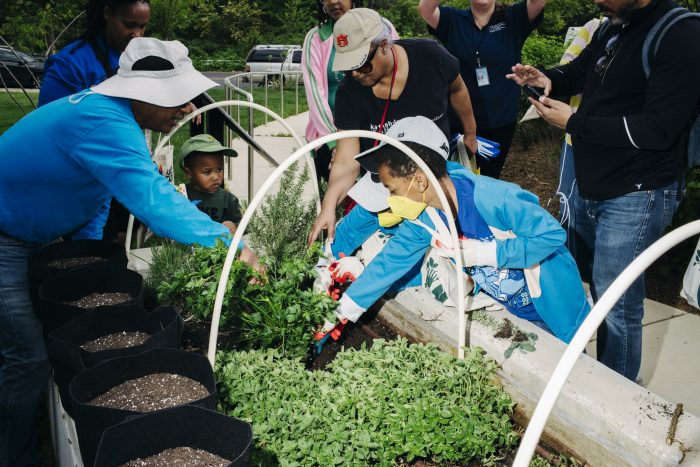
x,y
257,199
190,116
585,332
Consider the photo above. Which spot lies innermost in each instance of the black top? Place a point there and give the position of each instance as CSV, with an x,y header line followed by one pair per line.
x,y
431,71
498,45
220,206
630,133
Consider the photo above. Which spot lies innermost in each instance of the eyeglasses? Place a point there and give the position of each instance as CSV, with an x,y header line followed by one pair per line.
x,y
367,67
610,49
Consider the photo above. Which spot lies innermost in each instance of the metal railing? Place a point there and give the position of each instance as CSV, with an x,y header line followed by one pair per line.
x,y
234,88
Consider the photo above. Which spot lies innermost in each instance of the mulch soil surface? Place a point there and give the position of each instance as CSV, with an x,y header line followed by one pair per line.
x,y
96,299
118,340
183,456
65,263
152,392
536,171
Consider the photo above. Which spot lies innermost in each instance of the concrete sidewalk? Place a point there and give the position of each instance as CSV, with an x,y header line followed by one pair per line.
x,y
670,362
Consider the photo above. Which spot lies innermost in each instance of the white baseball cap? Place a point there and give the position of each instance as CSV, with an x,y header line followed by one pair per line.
x,y
353,35
372,195
157,72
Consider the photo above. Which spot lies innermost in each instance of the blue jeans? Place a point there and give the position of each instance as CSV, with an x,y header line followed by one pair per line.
x,y
607,236
24,367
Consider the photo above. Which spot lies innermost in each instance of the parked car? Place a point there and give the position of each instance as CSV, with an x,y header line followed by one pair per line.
x,y
272,59
24,71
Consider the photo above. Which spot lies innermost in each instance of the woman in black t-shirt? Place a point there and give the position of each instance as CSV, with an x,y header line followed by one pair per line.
x,y
391,81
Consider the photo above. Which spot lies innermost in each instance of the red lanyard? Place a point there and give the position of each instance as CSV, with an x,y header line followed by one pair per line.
x,y
391,87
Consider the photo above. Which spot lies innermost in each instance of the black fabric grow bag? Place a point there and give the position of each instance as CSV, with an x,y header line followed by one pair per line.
x,y
91,421
39,269
184,426
53,312
68,358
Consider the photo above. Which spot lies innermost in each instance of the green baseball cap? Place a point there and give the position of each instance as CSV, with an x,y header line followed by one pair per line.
x,y
203,143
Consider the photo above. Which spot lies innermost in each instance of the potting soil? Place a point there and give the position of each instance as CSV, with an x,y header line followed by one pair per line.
x,y
152,392
67,263
117,340
180,456
96,299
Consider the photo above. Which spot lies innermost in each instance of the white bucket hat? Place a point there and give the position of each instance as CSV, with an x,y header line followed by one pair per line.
x,y
353,35
157,72
373,195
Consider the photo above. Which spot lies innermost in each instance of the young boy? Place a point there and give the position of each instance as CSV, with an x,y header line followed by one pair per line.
x,y
202,158
511,247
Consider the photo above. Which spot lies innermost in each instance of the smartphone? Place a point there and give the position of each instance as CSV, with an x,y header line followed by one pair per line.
x,y
532,92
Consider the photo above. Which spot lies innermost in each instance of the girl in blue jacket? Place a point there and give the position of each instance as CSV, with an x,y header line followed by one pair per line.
x,y
512,248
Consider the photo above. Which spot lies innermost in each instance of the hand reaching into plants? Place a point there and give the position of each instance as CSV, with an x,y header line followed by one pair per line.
x,y
230,226
248,256
347,268
329,330
324,221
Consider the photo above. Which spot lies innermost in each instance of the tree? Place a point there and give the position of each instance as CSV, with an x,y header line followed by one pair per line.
x,y
170,18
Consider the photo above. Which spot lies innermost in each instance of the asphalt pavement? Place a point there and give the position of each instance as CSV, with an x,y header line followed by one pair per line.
x,y
218,76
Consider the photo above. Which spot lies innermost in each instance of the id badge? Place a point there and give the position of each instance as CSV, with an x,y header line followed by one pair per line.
x,y
482,76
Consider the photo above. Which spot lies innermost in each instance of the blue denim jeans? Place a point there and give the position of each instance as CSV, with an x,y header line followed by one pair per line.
x,y
24,367
607,236
567,182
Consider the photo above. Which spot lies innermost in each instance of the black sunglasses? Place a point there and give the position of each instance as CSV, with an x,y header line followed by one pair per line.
x,y
367,67
610,49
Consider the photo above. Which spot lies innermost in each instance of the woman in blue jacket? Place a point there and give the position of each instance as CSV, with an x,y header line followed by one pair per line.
x,y
109,26
512,248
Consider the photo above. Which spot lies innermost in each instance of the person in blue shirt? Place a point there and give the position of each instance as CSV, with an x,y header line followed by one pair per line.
x,y
58,165
512,248
487,38
94,57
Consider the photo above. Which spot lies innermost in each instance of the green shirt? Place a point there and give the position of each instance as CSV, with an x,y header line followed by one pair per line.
x,y
220,206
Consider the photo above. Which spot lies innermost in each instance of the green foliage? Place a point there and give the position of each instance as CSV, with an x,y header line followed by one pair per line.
x,y
220,60
280,312
543,51
557,460
31,26
283,312
170,19
559,15
279,228
167,260
193,284
403,14
372,407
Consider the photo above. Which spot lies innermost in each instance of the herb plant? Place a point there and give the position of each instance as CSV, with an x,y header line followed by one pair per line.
x,y
279,228
373,407
279,312
283,311
193,286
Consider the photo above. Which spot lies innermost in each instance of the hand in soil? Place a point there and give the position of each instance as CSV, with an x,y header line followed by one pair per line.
x,y
152,392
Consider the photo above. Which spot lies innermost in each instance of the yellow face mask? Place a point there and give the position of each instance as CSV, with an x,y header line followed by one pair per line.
x,y
406,208
388,218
